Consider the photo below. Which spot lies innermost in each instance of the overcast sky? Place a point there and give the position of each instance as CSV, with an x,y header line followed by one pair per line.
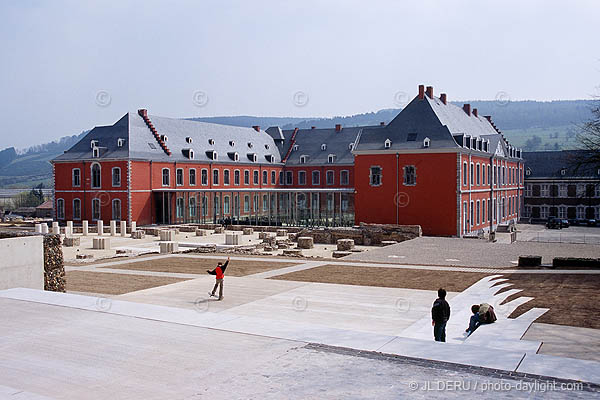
x,y
67,66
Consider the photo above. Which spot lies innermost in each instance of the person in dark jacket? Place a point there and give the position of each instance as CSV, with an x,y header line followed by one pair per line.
x,y
219,273
440,314
474,321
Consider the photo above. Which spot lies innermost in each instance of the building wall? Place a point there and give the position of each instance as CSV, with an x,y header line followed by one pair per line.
x,y
431,202
572,198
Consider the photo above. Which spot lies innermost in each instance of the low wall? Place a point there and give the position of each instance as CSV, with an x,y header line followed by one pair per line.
x,y
37,256
22,262
365,234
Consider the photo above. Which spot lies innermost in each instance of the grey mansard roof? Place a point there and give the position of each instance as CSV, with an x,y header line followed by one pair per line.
x,y
310,141
141,144
427,118
550,164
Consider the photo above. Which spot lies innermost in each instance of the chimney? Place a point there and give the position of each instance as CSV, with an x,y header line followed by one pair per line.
x,y
467,109
429,92
256,128
338,127
421,92
475,112
143,112
488,117
382,124
312,127
443,98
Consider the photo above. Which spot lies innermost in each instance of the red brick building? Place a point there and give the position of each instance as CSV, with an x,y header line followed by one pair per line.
x,y
435,164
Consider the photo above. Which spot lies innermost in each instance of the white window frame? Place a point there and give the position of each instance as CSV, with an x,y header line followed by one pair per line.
x,y
237,178
179,173
255,177
226,205
404,171
114,216
78,177
97,201
371,176
247,177
112,176
246,203
265,177
301,182
99,175
60,208
216,177
203,175
192,172
192,207
162,177
226,177
273,177
345,182
329,173
75,217
313,174
289,177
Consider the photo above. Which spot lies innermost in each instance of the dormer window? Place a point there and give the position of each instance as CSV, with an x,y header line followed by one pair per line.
x,y
466,141
212,155
93,143
426,142
231,143
303,159
350,146
189,139
270,158
95,152
387,144
234,156
563,171
266,146
120,142
189,153
211,142
323,147
164,138
528,171
296,147
250,145
331,158
252,157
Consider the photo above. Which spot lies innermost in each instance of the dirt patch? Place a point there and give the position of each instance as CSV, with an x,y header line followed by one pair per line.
x,y
386,277
187,265
107,283
573,300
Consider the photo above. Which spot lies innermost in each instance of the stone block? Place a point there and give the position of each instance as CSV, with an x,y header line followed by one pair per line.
x,y
100,228
55,228
71,241
45,228
133,226
345,244
113,228
123,228
292,252
340,254
101,243
248,231
219,229
84,256
84,228
388,242
282,232
200,232
232,238
38,228
167,235
138,235
305,242
169,247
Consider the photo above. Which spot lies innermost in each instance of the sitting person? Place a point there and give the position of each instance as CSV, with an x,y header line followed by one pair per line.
x,y
482,314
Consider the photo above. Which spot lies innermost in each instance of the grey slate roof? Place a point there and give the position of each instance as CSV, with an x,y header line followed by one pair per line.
x,y
141,144
309,143
549,164
427,118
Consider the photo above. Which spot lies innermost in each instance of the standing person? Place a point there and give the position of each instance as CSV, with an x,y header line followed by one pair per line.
x,y
440,314
220,274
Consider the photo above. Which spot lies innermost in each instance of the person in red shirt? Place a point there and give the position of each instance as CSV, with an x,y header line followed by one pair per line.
x,y
220,274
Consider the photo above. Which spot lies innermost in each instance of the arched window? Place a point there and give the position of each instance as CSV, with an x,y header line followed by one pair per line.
x,y
116,177
96,209
96,176
166,177
76,209
179,207
60,209
192,207
116,210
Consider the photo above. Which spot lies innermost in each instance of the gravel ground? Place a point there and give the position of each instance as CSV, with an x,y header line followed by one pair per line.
x,y
470,252
114,284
